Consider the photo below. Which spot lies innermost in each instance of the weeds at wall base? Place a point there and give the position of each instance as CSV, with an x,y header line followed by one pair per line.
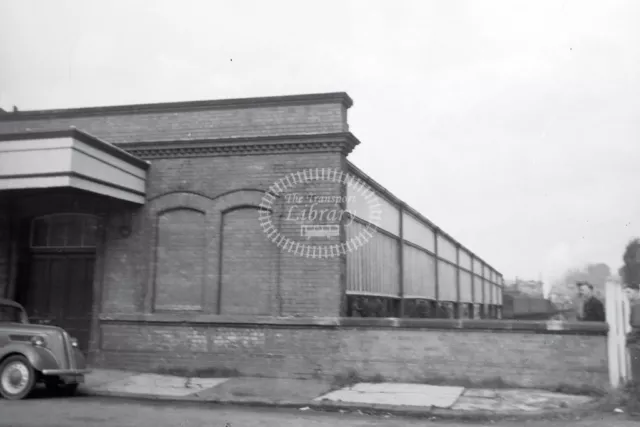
x,y
212,372
626,398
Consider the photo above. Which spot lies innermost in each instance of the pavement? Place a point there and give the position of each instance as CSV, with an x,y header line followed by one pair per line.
x,y
310,395
45,409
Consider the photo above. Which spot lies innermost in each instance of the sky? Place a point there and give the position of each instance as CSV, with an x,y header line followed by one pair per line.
x,y
513,125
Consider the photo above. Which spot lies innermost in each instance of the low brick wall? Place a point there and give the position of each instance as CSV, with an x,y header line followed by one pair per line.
x,y
528,354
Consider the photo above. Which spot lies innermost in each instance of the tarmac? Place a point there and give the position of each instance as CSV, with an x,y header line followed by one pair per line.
x,y
310,394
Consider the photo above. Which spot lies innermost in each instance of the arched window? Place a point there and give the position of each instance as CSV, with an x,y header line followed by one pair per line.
x,y
65,230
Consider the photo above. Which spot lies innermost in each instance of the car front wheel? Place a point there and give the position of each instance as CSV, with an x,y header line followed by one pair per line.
x,y
17,378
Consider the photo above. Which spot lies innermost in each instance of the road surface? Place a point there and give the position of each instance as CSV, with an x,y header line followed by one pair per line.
x,y
87,411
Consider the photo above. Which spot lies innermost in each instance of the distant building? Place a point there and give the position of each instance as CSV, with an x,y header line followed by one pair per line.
x,y
528,287
525,300
527,307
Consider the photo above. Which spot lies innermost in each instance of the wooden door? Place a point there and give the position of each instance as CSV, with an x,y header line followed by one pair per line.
x,y
60,292
56,276
75,311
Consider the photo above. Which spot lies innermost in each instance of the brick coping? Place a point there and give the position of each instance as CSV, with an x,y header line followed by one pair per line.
x,y
480,325
228,103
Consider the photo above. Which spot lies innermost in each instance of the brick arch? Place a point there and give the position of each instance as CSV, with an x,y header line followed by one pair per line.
x,y
202,231
180,199
238,198
234,205
214,210
169,193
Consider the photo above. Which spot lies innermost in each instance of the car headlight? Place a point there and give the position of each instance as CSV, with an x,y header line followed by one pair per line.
x,y
38,341
74,342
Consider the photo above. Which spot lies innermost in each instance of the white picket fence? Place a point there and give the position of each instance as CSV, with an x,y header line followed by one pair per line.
x,y
617,309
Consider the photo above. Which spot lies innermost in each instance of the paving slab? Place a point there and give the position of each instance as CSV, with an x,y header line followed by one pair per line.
x,y
159,385
275,390
405,388
396,394
541,397
526,401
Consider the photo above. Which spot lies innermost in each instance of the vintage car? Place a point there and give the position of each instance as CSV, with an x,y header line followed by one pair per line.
x,y
31,354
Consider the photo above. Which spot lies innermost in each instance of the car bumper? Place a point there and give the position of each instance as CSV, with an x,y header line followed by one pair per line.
x,y
66,372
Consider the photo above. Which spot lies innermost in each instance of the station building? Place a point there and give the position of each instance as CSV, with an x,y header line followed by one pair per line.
x,y
156,231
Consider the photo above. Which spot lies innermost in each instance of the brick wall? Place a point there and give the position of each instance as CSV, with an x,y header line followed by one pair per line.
x,y
136,268
523,358
176,123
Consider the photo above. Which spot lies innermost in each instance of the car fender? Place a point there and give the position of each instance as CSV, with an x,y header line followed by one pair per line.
x,y
40,358
81,361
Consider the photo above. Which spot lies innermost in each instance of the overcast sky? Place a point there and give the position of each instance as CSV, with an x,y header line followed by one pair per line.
x,y
513,125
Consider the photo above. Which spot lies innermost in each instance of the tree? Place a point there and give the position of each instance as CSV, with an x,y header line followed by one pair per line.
x,y
630,271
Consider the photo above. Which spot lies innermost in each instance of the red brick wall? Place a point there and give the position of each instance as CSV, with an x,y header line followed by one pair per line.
x,y
518,358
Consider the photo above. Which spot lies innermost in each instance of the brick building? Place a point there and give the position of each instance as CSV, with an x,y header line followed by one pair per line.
x,y
141,229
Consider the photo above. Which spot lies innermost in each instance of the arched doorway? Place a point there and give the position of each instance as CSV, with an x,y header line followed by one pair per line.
x,y
59,276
